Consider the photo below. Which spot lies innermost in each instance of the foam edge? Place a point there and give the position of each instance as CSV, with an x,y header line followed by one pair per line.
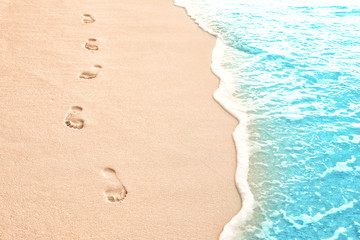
x,y
224,96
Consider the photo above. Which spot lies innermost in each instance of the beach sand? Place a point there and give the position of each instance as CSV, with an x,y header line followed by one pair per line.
x,y
117,101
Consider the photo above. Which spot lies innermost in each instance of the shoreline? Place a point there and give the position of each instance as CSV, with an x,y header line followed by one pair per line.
x,y
138,114
240,136
223,95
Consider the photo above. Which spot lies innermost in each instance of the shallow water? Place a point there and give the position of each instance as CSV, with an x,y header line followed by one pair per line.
x,y
295,69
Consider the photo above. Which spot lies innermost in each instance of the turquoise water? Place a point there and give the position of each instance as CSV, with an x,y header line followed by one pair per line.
x,y
295,68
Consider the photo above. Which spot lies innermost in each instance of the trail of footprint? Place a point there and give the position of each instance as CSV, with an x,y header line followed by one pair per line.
x,y
87,18
116,191
91,44
72,118
91,74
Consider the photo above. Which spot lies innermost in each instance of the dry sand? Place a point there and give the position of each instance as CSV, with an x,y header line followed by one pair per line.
x,y
145,122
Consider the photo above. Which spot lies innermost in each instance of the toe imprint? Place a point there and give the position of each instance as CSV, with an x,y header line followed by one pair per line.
x,y
91,74
115,195
87,18
72,118
116,191
91,44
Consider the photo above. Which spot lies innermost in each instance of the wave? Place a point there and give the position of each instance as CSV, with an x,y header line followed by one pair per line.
x,y
224,96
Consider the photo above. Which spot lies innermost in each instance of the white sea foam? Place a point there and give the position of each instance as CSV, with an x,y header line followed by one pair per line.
x,y
306,219
337,233
340,167
224,96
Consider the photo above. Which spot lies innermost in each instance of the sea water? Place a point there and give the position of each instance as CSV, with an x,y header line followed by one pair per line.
x,y
290,71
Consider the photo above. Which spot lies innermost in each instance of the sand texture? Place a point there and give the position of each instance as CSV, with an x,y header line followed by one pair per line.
x,y
108,126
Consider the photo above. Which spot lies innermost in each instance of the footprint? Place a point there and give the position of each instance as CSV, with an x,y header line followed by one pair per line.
x,y
91,74
91,44
72,119
87,18
116,191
